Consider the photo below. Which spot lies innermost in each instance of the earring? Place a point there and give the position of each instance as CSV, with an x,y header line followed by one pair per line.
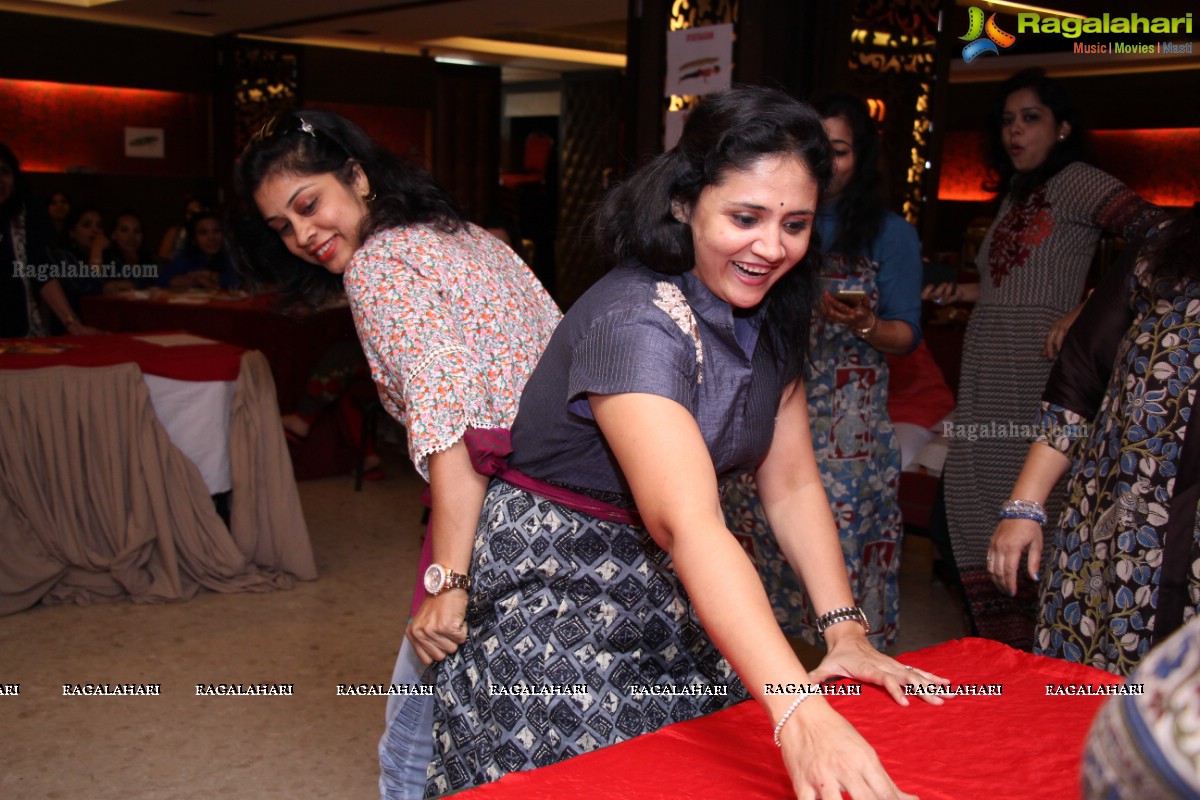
x,y
368,196
1062,137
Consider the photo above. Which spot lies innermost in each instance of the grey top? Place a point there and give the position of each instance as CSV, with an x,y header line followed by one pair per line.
x,y
641,331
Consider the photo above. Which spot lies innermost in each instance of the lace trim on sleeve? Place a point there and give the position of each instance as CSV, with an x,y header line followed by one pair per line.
x,y
670,299
434,355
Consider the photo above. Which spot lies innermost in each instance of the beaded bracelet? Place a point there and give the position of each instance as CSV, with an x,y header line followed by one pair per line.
x,y
1023,509
786,715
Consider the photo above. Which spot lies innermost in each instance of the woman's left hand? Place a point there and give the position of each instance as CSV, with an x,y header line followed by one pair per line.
x,y
854,657
1058,332
857,316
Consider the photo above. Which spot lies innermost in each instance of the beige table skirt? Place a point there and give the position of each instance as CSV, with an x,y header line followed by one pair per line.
x,y
97,504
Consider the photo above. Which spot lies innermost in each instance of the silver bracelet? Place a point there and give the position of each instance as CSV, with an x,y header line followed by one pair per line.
x,y
830,618
1023,509
786,715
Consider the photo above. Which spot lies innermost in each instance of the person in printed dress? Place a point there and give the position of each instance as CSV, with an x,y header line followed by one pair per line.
x,y
452,323
1122,411
608,597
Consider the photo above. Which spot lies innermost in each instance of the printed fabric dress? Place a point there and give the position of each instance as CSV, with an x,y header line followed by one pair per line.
x,y
1147,745
1032,262
854,441
1124,568
569,612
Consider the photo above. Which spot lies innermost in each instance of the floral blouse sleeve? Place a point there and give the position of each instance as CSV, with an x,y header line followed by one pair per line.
x,y
417,331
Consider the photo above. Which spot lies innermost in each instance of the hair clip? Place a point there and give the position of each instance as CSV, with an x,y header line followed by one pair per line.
x,y
307,127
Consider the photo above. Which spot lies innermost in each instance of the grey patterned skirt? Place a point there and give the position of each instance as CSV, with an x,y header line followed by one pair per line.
x,y
579,635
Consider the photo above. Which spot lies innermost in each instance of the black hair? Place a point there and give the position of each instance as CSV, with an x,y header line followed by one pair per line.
x,y
727,131
860,206
125,212
15,203
1003,175
1174,252
312,142
78,212
189,241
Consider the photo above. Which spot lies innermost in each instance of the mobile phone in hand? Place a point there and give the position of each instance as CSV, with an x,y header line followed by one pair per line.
x,y
850,297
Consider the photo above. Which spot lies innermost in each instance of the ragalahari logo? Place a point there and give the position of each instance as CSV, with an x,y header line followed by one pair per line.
x,y
976,28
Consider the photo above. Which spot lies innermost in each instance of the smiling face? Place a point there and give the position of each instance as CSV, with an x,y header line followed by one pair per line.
x,y
842,139
127,235
750,229
318,217
1028,130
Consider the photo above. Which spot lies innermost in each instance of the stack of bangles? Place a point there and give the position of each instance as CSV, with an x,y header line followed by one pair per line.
x,y
1023,509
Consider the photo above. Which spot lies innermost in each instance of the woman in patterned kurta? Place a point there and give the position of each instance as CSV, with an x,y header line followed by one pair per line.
x,y
452,323
1123,403
867,249
1032,265
589,625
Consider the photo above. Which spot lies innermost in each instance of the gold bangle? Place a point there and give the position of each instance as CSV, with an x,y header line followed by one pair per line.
x,y
865,333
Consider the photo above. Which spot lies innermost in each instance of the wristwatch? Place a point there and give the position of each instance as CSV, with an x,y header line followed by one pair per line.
x,y
438,579
831,618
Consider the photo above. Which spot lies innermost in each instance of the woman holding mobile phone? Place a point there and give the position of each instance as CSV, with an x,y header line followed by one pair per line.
x,y
870,284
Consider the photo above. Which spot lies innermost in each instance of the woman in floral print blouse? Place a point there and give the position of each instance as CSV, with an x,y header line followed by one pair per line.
x,y
1122,411
451,321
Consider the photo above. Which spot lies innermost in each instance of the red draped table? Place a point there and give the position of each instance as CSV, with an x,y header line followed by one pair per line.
x,y
1020,744
97,502
292,342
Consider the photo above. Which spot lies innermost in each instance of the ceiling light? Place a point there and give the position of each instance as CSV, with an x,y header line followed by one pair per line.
x,y
76,3
1038,9
521,50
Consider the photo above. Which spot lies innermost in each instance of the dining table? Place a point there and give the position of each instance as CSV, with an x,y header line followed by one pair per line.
x,y
293,339
1013,729
113,446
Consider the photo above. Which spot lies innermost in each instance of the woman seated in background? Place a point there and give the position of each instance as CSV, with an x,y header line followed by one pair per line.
x,y
1122,411
81,262
126,259
602,556
58,208
204,262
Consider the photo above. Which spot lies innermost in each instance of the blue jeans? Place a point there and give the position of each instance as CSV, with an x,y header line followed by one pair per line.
x,y
406,747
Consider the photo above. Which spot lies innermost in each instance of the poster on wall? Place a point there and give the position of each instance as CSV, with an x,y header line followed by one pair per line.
x,y
144,143
699,60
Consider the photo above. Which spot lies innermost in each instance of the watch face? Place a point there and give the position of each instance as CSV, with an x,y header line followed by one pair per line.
x,y
435,576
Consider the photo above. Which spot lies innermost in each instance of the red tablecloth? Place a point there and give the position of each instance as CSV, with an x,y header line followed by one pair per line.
x,y
217,361
1021,744
292,343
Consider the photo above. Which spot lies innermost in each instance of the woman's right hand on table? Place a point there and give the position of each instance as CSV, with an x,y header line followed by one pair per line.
x,y
440,626
825,756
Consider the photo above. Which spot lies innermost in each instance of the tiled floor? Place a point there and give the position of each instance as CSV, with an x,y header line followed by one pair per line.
x,y
343,628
